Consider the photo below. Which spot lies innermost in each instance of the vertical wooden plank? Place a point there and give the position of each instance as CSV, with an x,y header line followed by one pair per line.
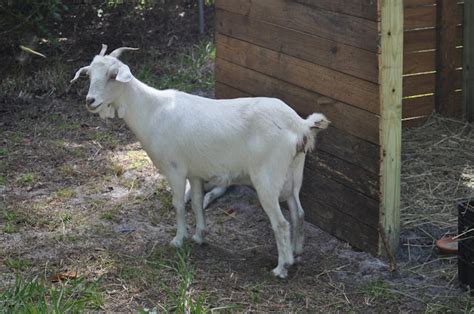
x,y
390,73
445,58
468,61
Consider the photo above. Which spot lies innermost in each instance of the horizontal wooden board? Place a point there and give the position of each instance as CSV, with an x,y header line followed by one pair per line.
x,y
355,121
335,142
347,174
424,106
426,83
327,82
425,39
350,30
414,122
425,16
417,3
360,8
425,61
416,107
340,211
343,58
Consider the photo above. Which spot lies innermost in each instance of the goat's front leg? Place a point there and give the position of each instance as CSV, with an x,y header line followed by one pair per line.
x,y
178,184
196,203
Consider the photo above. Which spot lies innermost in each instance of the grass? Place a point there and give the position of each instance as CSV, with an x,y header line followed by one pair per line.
x,y
39,296
188,71
28,178
65,193
17,263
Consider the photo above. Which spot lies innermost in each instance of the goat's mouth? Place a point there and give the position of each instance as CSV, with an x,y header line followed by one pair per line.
x,y
93,108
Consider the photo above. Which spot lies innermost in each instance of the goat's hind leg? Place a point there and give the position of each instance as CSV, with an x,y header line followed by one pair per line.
x,y
297,226
196,203
280,226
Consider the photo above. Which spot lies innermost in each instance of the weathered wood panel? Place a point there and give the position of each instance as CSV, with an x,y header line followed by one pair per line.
x,y
355,121
350,30
340,211
445,59
347,174
468,79
360,8
426,83
350,90
417,3
425,39
425,61
344,58
425,16
419,106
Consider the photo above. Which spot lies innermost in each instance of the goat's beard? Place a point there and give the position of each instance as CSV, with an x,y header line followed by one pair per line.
x,y
107,112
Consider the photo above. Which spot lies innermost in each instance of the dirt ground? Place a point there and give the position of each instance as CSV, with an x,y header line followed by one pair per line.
x,y
79,194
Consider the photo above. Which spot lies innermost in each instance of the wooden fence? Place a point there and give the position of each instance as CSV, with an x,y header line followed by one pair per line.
x,y
344,58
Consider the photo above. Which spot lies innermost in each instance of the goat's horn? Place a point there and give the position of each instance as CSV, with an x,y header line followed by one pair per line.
x,y
103,50
79,72
117,52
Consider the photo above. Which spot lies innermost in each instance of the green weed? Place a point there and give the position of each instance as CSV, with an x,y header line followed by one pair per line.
x,y
37,296
28,178
18,263
65,193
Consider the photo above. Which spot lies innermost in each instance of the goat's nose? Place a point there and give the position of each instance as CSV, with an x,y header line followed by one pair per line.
x,y
89,101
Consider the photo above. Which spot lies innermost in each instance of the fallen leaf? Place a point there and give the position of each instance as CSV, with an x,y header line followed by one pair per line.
x,y
69,275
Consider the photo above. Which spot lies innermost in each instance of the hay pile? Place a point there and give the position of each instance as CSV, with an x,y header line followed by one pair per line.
x,y
437,173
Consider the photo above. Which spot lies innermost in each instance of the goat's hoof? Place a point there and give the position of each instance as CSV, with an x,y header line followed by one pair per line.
x,y
198,239
177,242
280,272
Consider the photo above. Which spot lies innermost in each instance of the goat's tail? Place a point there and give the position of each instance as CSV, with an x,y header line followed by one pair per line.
x,y
314,123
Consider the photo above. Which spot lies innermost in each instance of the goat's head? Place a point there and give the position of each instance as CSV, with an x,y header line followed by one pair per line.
x,y
107,75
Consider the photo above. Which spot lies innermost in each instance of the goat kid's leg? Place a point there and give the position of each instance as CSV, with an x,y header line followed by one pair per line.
x,y
196,203
297,226
178,185
187,193
214,194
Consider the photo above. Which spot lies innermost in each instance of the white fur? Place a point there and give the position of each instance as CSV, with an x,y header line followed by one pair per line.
x,y
256,141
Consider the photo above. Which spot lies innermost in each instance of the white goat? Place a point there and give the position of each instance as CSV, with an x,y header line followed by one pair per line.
x,y
254,141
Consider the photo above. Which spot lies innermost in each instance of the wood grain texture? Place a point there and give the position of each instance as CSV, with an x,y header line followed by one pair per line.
x,y
347,174
361,8
445,57
425,39
417,3
426,83
425,61
468,59
391,69
350,30
355,121
417,107
328,53
350,90
426,16
340,211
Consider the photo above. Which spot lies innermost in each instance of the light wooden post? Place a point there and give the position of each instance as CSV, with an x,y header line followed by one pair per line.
x,y
468,61
390,78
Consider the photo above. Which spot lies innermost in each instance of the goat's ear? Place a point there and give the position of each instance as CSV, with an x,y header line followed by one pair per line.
x,y
124,75
79,72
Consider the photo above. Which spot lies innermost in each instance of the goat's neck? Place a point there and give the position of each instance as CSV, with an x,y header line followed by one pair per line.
x,y
137,104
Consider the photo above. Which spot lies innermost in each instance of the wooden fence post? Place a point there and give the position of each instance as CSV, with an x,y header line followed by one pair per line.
x,y
468,61
445,102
